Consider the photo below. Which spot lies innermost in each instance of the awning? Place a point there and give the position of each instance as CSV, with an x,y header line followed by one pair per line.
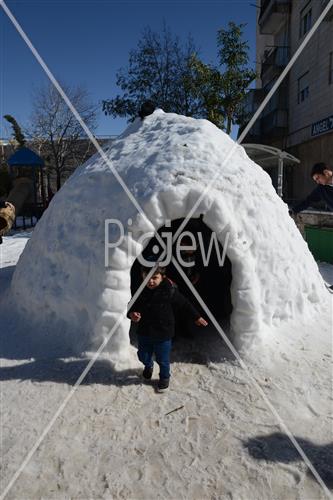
x,y
268,157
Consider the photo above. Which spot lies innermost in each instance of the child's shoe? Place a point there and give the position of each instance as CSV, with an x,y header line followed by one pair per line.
x,y
163,384
147,372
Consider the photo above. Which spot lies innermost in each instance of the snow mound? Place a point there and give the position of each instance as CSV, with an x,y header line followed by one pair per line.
x,y
71,299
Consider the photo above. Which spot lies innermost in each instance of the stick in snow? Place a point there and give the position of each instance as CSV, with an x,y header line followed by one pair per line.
x,y
176,409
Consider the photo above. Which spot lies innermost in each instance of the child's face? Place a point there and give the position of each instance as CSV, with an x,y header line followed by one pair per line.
x,y
154,281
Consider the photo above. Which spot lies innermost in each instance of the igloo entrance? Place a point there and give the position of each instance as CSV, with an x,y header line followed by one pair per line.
x,y
212,280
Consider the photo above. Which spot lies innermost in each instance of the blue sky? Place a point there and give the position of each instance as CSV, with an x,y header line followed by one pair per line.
x,y
86,42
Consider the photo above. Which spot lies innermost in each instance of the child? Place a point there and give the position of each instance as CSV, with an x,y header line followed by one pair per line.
x,y
154,311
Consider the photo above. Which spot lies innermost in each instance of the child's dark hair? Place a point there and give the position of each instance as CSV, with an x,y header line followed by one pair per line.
x,y
154,262
158,270
319,168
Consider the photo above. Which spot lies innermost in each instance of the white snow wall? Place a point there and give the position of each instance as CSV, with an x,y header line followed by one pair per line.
x,y
71,299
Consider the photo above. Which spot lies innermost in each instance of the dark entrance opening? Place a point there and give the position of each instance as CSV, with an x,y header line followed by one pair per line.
x,y
214,280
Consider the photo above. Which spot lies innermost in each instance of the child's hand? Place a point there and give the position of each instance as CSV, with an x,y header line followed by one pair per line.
x,y
135,316
201,322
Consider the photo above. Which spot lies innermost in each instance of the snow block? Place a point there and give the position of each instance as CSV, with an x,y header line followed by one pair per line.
x,y
75,284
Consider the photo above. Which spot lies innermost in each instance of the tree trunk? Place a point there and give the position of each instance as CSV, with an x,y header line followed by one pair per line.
x,y
58,180
42,186
229,124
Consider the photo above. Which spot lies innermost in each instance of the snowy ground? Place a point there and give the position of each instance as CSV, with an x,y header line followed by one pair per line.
x,y
114,439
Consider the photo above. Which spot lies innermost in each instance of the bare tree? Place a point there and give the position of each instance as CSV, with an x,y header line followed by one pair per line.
x,y
55,130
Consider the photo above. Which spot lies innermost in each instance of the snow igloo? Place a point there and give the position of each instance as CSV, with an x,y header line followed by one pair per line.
x,y
72,291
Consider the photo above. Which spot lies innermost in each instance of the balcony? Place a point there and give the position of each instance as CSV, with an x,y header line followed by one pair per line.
x,y
272,14
274,60
329,16
252,100
274,120
274,124
250,104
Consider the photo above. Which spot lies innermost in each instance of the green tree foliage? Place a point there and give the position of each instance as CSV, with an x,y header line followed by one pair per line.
x,y
17,132
233,53
176,79
159,70
205,85
221,89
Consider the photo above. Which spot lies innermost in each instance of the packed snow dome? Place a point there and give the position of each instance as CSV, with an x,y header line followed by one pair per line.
x,y
70,292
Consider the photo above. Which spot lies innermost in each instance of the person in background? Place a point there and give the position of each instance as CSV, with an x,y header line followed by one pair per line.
x,y
322,174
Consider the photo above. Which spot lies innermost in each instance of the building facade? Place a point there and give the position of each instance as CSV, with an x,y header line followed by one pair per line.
x,y
299,116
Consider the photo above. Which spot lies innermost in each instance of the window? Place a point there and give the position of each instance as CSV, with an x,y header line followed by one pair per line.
x,y
330,71
303,88
305,20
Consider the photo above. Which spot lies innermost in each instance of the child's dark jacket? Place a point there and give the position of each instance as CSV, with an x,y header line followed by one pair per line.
x,y
158,307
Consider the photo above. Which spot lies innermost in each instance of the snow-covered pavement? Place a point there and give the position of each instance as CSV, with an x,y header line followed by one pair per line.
x,y
114,439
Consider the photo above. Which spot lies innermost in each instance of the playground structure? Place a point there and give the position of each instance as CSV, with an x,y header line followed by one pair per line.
x,y
24,198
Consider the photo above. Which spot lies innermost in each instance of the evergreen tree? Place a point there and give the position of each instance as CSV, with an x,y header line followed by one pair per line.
x,y
236,76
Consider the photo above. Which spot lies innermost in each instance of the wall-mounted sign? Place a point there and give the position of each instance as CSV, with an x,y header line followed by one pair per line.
x,y
322,126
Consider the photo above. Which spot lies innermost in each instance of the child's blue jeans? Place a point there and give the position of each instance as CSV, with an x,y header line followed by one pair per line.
x,y
161,348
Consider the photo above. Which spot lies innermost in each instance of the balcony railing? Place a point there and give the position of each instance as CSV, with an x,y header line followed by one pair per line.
x,y
252,100
273,61
250,104
278,101
275,123
277,55
271,13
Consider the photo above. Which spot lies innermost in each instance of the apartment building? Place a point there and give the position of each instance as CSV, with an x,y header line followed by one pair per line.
x,y
299,117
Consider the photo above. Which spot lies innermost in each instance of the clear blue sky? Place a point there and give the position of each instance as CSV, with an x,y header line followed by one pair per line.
x,y
87,41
